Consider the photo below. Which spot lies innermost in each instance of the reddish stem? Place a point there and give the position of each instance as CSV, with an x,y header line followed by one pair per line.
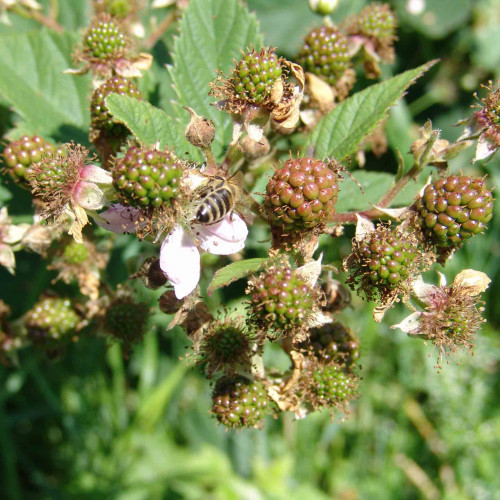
x,y
375,213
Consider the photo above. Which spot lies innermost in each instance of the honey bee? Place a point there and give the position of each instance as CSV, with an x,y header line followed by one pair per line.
x,y
217,198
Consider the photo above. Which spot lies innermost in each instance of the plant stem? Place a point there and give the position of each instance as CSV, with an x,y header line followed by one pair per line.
x,y
151,40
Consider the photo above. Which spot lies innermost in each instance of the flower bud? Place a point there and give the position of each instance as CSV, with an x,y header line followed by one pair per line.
x,y
323,7
200,131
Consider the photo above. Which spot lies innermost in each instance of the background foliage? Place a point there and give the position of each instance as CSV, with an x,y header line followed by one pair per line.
x,y
92,426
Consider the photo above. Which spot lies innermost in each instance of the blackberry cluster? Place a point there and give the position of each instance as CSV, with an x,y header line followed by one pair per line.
x,y
101,118
387,257
255,75
325,54
377,21
147,178
332,387
19,155
51,321
239,402
454,209
334,342
226,346
280,298
104,40
75,253
301,195
126,319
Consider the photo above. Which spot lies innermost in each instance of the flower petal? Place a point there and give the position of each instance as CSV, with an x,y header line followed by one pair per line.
x,y
93,173
120,219
180,261
223,238
410,325
88,196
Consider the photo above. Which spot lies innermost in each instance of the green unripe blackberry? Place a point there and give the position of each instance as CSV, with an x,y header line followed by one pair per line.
x,y
377,21
126,319
226,345
239,402
255,75
118,8
302,194
280,298
332,387
147,178
325,54
55,173
386,257
334,342
104,40
101,118
453,209
19,155
75,253
51,321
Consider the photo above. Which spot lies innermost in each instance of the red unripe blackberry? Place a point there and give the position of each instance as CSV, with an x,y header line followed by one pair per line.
x,y
51,321
19,155
147,178
255,75
101,118
104,40
126,319
239,402
280,298
325,54
377,21
453,209
302,194
332,387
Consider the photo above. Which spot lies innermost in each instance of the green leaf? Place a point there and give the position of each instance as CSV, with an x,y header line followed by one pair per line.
x,y
212,33
32,81
150,124
339,133
5,195
375,185
235,271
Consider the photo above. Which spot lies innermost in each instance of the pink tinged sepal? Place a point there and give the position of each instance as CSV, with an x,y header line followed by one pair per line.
x,y
119,219
93,173
88,196
223,238
180,261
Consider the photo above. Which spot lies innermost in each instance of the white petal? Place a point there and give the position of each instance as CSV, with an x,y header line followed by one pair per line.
x,y
7,258
15,234
309,273
422,290
411,324
119,219
476,281
394,213
223,238
442,279
364,227
180,261
485,148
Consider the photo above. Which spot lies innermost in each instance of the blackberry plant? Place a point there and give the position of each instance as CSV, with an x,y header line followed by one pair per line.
x,y
271,152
